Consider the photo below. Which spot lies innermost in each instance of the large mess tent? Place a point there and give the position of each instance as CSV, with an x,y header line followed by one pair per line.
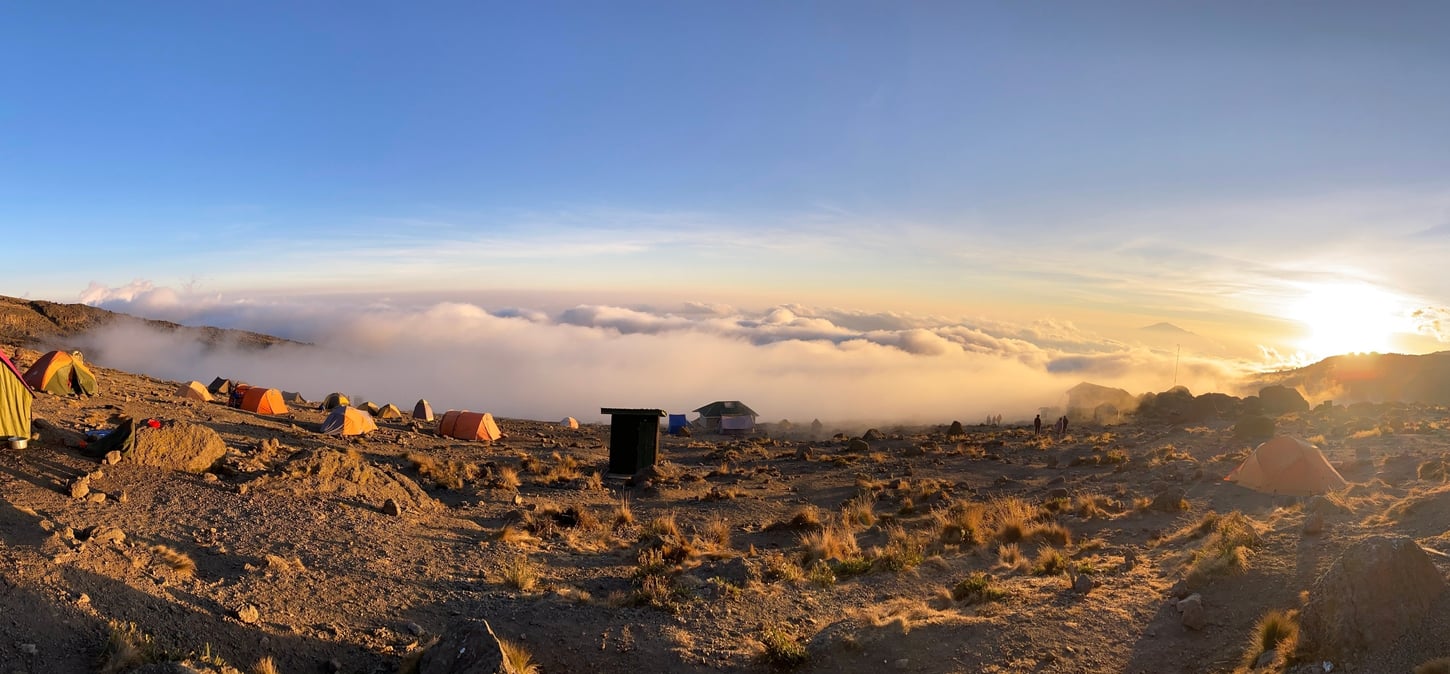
x,y
193,390
347,421
1287,466
61,373
15,399
263,401
423,411
466,425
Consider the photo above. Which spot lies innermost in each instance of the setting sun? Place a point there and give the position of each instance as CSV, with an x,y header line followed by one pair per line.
x,y
1348,318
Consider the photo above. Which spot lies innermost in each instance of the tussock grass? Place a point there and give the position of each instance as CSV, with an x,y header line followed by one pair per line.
x,y
1050,562
775,566
716,533
1010,558
447,474
128,647
961,523
834,541
264,666
1277,631
520,573
506,478
860,511
175,560
902,551
623,514
516,658
806,517
1225,550
1093,506
821,574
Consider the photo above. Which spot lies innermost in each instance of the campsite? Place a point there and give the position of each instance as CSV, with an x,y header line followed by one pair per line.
x,y
320,538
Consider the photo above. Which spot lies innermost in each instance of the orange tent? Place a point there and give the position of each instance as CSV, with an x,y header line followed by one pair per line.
x,y
569,422
195,391
347,421
61,373
264,401
1289,466
466,425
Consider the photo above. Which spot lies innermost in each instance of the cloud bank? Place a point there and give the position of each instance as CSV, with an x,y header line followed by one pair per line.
x,y
788,362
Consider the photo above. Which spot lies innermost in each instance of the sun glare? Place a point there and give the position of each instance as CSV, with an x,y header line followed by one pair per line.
x,y
1348,318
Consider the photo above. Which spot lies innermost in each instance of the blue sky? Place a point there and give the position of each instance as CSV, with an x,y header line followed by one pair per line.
x,y
1110,163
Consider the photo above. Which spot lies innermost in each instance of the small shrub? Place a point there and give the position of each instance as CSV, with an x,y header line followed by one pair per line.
x,y
776,566
821,574
1226,550
781,648
853,566
977,588
903,551
128,647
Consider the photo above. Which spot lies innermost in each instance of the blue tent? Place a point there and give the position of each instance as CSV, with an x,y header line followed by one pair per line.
x,y
677,422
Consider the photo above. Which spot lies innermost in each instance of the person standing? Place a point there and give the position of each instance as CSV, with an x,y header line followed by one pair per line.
x,y
1037,425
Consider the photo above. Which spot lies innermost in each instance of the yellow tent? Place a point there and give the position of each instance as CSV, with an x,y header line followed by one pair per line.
x,y
390,412
423,411
194,391
1288,466
335,400
347,421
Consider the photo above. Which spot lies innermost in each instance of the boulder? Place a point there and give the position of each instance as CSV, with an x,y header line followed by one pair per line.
x,y
1191,612
178,446
1377,589
956,430
872,435
1278,400
1169,500
858,445
466,648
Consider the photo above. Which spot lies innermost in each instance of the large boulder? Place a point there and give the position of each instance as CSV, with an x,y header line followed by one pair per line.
x,y
1377,589
466,648
1278,400
177,445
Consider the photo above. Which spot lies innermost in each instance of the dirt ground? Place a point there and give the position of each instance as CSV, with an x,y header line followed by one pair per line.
x,y
737,554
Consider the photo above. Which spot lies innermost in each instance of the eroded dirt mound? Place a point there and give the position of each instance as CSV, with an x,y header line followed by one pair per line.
x,y
349,475
178,446
1377,589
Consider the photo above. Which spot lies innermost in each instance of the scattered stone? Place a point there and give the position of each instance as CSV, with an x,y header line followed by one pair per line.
x,y
80,487
414,628
97,497
858,445
249,614
1377,589
872,435
210,478
803,454
1059,492
112,458
96,474
124,497
102,533
391,508
29,649
83,599
1130,558
1192,612
1082,583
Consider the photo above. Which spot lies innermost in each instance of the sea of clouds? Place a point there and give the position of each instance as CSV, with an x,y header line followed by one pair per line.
x,y
787,362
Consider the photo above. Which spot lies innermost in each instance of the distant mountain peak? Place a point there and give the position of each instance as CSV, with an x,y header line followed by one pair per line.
x,y
1165,326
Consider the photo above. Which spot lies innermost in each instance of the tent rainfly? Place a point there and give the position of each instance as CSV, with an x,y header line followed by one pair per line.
x,y
390,412
1287,466
61,373
15,400
193,390
466,425
335,400
346,420
263,401
423,411
569,422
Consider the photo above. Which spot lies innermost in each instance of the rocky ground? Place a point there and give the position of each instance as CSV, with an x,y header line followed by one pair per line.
x,y
1110,549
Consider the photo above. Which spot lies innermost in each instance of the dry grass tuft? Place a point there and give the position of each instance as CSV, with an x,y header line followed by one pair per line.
x,y
1226,550
516,658
520,573
506,478
447,474
1277,631
623,514
1050,562
265,666
860,511
174,559
716,533
961,523
903,551
806,517
127,648
1010,558
835,541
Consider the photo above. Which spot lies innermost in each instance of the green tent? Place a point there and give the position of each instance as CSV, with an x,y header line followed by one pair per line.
x,y
15,399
